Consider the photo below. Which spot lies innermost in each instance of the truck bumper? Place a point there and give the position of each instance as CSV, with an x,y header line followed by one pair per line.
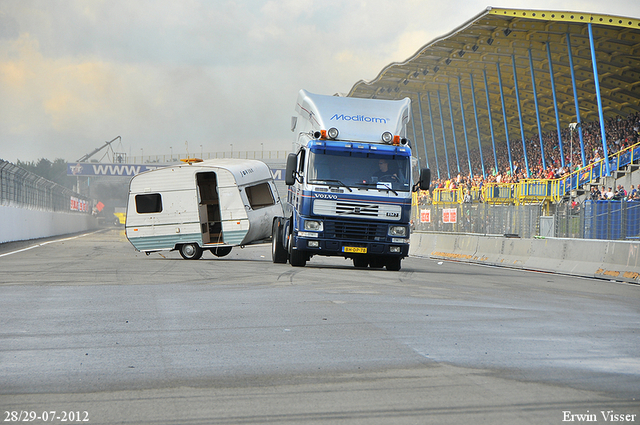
x,y
350,249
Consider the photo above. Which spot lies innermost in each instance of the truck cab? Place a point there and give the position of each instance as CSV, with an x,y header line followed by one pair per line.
x,y
350,183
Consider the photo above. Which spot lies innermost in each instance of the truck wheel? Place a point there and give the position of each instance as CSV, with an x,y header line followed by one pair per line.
x,y
393,264
376,263
298,258
190,251
221,251
278,253
360,262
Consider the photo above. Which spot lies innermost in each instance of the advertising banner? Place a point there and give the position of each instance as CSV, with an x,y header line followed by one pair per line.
x,y
92,169
89,169
449,215
425,216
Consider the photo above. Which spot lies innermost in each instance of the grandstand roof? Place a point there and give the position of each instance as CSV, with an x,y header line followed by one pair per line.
x,y
497,37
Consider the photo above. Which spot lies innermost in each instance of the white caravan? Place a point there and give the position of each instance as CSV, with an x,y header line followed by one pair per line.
x,y
214,204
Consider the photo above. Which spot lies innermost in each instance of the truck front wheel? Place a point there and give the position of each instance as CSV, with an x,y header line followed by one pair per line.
x,y
190,251
376,262
297,258
393,264
360,262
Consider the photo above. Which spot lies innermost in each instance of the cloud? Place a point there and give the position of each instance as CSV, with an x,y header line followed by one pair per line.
x,y
8,27
76,73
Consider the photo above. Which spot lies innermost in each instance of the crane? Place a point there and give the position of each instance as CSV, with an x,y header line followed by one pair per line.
x,y
95,151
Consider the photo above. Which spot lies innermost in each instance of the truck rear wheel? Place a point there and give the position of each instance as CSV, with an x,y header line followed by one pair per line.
x,y
278,253
190,251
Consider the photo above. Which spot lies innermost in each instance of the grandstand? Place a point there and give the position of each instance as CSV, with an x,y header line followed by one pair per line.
x,y
523,107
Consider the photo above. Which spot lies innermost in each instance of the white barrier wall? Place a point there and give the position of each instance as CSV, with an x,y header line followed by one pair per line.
x,y
22,224
616,260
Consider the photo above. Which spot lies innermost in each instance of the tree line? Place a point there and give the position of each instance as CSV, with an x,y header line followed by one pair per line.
x,y
55,171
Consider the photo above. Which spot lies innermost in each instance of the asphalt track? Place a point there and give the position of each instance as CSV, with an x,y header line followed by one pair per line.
x,y
89,325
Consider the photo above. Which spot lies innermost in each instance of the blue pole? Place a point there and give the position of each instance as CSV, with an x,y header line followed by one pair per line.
x,y
555,104
535,101
504,116
424,141
444,137
453,129
575,99
475,111
524,143
413,126
493,139
464,127
433,135
600,112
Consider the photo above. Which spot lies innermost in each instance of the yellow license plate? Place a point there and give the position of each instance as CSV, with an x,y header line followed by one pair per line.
x,y
355,249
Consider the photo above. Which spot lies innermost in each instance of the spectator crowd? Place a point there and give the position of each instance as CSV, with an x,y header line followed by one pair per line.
x,y
621,133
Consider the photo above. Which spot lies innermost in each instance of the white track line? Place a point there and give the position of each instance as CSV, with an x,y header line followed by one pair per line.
x,y
47,243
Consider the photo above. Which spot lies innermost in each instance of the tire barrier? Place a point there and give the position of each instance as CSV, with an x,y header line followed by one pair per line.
x,y
612,260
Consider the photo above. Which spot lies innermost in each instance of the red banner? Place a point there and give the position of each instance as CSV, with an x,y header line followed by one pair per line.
x,y
449,215
425,216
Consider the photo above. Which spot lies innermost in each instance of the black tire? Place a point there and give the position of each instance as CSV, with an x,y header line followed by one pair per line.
x,y
376,263
360,262
221,251
278,253
190,251
297,258
393,264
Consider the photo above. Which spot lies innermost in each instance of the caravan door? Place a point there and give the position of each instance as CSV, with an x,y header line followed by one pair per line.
x,y
209,208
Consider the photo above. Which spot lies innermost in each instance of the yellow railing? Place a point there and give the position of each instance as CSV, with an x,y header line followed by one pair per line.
x,y
447,196
500,193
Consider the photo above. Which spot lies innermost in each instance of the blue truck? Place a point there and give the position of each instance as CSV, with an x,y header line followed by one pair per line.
x,y
350,180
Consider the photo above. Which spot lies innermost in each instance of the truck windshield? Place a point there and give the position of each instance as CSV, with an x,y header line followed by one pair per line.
x,y
375,171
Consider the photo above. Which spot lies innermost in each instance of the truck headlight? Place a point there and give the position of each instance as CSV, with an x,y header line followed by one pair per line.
x,y
313,225
398,231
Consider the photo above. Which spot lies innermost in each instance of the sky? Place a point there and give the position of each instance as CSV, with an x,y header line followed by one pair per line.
x,y
195,76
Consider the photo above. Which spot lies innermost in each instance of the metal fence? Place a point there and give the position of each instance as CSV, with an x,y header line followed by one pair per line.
x,y
19,187
608,220
522,220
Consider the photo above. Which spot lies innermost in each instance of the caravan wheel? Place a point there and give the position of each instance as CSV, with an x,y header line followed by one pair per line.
x,y
190,251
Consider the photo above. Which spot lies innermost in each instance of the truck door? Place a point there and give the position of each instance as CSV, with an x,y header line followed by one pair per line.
x,y
209,208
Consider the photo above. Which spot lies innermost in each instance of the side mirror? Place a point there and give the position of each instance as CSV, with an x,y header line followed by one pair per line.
x,y
290,173
425,179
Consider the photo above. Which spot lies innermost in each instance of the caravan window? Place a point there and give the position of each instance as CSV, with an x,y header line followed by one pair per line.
x,y
151,203
260,195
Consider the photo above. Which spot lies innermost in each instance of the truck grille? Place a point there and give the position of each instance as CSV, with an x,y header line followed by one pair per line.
x,y
355,231
354,209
